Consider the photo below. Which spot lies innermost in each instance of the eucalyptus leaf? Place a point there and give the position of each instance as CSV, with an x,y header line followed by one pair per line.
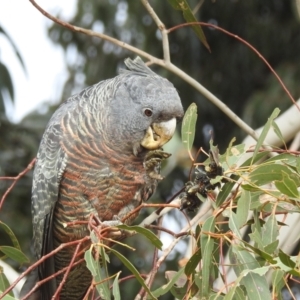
x,y
14,254
265,130
189,17
207,246
116,289
166,287
11,235
278,282
287,185
188,126
267,173
193,262
133,270
243,208
4,284
155,241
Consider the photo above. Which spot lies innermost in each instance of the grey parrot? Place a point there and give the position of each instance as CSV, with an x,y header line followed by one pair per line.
x,y
93,159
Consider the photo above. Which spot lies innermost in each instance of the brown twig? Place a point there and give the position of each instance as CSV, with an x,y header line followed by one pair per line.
x,y
245,43
70,266
15,180
151,278
88,32
163,63
41,260
175,235
41,282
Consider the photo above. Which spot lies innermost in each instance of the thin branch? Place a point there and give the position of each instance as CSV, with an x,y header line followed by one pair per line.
x,y
212,98
41,260
15,180
201,214
41,282
151,276
248,45
105,37
165,64
163,30
71,264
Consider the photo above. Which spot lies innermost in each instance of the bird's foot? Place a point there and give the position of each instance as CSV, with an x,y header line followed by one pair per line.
x,y
111,229
153,161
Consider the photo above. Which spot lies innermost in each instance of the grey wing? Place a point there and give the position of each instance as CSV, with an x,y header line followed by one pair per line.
x,y
51,161
50,165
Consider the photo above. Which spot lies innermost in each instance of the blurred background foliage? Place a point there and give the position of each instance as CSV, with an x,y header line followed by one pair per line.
x,y
231,71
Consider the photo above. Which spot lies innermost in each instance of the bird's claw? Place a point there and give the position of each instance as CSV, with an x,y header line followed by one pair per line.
x,y
113,232
153,161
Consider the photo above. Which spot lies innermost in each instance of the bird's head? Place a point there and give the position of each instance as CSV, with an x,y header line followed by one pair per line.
x,y
144,109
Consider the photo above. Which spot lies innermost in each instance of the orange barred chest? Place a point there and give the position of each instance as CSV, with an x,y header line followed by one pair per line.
x,y
114,195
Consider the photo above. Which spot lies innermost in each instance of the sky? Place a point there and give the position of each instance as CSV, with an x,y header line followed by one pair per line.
x,y
43,60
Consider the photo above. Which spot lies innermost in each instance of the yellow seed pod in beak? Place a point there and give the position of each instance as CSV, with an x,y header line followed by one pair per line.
x,y
159,134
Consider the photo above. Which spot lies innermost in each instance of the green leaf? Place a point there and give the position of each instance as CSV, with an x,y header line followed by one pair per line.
x,y
246,266
193,262
226,190
278,132
188,126
166,287
278,283
8,297
14,254
207,247
5,81
230,158
11,235
241,259
189,17
95,269
233,224
270,231
214,296
256,286
88,256
265,131
14,47
133,270
116,289
267,173
286,259
146,233
261,253
254,159
285,158
235,293
272,247
257,238
287,185
243,208
4,284
179,288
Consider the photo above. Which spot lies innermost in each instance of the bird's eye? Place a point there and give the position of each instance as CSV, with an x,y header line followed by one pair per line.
x,y
148,112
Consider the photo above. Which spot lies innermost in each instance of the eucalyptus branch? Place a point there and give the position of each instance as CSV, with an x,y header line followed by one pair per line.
x,y
162,28
165,64
205,209
155,215
212,98
92,33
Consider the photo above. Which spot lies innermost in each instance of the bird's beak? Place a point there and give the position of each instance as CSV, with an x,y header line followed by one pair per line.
x,y
159,134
